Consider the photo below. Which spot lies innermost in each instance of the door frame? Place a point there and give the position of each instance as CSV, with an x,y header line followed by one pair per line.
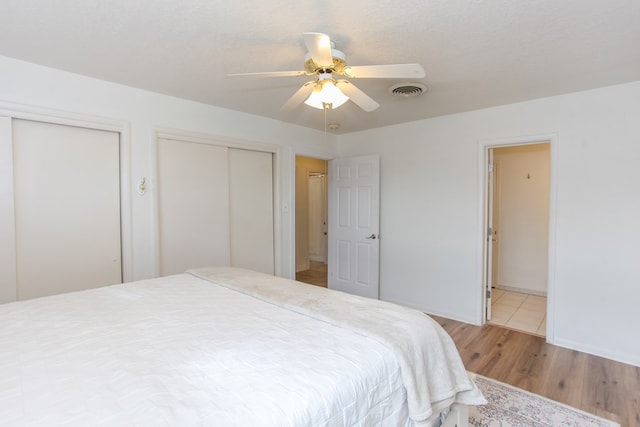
x,y
483,181
59,117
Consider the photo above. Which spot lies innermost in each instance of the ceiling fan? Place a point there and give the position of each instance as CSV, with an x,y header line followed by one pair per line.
x,y
326,62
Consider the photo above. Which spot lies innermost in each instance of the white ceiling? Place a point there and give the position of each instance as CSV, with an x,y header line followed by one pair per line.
x,y
475,53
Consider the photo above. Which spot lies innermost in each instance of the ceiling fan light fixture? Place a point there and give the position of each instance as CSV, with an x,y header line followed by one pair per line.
x,y
326,96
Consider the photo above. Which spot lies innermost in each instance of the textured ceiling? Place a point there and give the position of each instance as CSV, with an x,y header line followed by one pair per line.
x,y
475,53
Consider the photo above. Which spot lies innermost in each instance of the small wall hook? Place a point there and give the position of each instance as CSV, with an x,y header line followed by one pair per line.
x,y
142,186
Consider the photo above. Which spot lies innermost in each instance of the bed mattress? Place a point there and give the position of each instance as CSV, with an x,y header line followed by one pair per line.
x,y
183,350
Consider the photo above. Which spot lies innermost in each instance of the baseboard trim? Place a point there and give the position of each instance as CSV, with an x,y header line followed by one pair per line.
x,y
629,359
303,267
521,290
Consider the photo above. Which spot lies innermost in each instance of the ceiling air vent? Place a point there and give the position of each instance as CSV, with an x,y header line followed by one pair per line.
x,y
406,90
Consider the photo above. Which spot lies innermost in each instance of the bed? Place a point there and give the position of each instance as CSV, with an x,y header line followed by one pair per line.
x,y
226,347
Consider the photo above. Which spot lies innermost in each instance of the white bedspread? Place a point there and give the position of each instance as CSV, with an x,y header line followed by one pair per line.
x,y
182,351
431,368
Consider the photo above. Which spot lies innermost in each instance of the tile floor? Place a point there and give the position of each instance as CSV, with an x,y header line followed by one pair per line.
x,y
523,312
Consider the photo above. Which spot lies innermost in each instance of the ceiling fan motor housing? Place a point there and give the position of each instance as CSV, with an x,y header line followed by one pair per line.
x,y
339,62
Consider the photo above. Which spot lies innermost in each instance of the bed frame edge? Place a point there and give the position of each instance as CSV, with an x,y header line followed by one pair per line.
x,y
458,416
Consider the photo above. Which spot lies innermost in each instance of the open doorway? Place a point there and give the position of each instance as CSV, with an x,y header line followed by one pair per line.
x,y
518,236
311,220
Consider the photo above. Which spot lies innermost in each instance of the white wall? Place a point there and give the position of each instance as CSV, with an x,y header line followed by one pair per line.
x,y
29,86
521,217
429,212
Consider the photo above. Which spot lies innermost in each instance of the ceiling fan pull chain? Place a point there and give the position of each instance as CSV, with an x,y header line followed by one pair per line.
x,y
325,125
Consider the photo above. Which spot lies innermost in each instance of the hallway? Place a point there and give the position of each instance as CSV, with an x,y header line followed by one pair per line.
x,y
316,275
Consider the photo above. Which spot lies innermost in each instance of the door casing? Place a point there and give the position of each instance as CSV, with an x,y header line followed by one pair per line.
x,y
483,181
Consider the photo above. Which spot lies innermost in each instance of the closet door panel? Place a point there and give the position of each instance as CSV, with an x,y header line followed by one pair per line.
x,y
7,215
251,207
193,196
67,208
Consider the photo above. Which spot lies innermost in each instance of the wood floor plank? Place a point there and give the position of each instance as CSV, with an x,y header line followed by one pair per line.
x,y
632,390
593,384
604,386
565,377
533,364
507,363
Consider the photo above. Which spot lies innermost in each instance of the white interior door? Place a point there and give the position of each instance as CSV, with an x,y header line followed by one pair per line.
x,y
354,216
7,215
67,208
495,225
193,204
489,273
251,209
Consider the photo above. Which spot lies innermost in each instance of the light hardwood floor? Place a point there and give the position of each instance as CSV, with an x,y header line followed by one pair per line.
x,y
593,384
316,275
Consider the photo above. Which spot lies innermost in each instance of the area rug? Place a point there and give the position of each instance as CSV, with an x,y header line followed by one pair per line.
x,y
513,407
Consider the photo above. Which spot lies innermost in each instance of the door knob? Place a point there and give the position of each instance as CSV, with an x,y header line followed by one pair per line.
x,y
373,237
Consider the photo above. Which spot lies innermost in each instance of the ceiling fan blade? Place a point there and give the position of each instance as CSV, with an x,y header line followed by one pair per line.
x,y
271,74
319,47
356,95
398,71
298,97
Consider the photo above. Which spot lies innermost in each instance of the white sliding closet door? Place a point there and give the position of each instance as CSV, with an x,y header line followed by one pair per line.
x,y
193,192
251,207
67,208
7,215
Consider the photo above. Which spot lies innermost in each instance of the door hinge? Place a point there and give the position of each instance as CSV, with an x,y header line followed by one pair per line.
x,y
490,167
489,231
488,293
